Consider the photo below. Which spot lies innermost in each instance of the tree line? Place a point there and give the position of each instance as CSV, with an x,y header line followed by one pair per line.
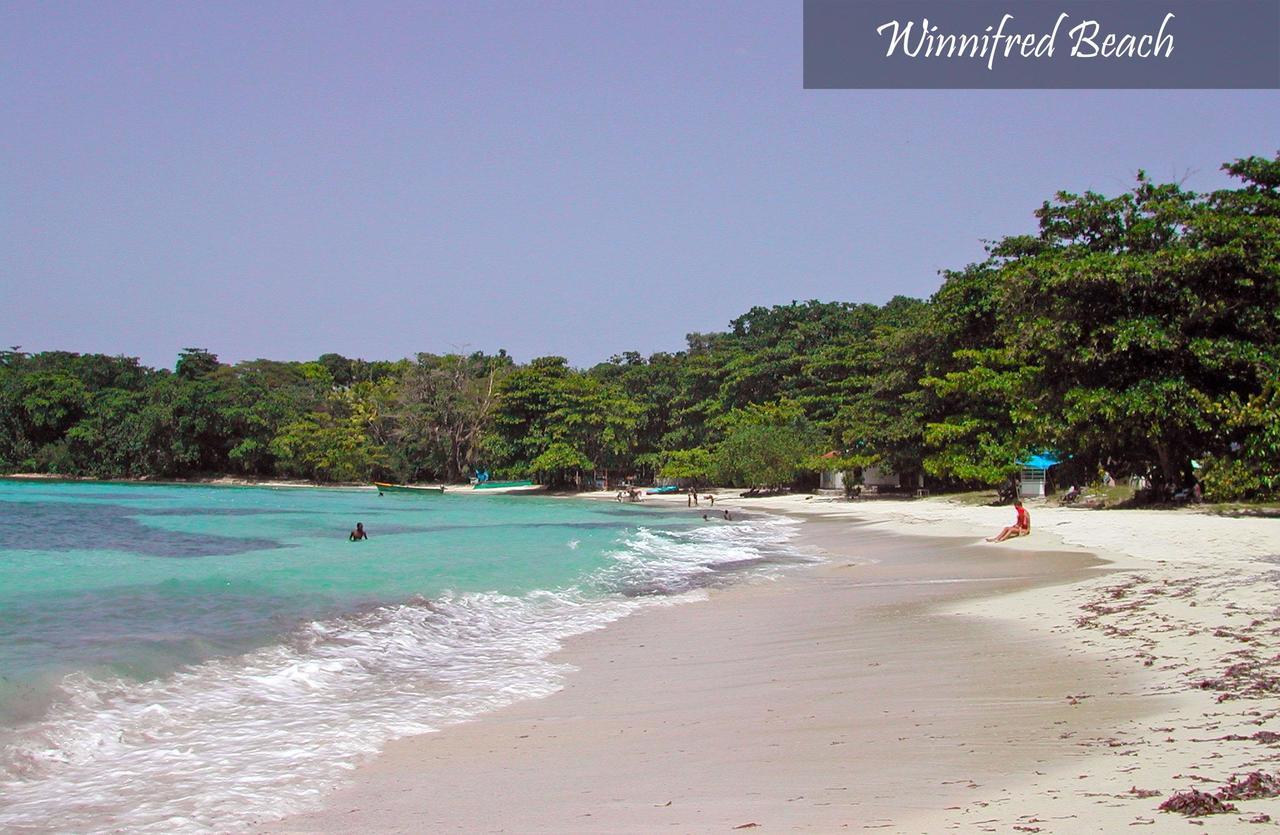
x,y
1136,333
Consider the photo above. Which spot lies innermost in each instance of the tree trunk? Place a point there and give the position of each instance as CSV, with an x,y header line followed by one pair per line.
x,y
1168,472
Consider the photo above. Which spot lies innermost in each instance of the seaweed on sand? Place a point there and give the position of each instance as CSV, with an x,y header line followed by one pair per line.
x,y
1252,786
1195,803
1243,679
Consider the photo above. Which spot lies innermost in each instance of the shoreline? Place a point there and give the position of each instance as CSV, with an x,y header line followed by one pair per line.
x,y
209,481
273,484
647,718
1056,701
1070,681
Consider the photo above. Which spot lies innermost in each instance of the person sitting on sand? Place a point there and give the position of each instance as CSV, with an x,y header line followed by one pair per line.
x,y
1021,525
358,534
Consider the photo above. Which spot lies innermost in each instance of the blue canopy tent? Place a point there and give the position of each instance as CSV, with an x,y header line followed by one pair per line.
x,y
1035,468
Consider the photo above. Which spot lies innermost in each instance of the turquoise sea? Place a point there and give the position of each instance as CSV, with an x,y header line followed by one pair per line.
x,y
194,658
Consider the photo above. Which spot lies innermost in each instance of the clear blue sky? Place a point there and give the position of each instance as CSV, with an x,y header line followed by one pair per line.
x,y
287,179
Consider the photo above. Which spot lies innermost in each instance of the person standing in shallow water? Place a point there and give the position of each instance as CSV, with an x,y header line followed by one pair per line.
x,y
358,534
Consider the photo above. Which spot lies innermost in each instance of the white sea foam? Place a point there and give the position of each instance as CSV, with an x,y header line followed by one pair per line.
x,y
232,741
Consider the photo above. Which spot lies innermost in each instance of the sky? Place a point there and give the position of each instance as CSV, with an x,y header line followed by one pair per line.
x,y
287,179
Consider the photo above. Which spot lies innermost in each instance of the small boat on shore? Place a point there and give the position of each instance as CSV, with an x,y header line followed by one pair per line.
x,y
505,487
384,487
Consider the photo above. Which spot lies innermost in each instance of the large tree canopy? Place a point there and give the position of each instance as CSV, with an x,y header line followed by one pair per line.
x,y
1134,333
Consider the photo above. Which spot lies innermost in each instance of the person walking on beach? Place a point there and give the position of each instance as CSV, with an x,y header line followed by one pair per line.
x,y
1021,524
692,501
358,534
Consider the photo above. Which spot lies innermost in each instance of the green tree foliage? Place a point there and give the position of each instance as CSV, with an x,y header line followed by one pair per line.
x,y
559,463
1131,332
1252,469
652,384
762,455
346,372
445,406
974,437
546,403
697,465
194,363
968,431
258,399
765,445
880,406
345,441
522,428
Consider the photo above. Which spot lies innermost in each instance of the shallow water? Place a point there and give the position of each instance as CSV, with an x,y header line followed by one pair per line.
x,y
181,658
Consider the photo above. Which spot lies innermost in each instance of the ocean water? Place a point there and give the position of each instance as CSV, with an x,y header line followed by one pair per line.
x,y
192,658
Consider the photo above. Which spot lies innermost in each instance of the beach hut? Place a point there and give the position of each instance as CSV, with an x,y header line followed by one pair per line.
x,y
1035,472
874,479
831,479
882,478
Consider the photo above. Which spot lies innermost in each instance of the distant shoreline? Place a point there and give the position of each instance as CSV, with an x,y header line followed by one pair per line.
x,y
292,484
721,493
210,481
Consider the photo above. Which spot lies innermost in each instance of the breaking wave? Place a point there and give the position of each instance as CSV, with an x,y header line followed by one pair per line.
x,y
234,741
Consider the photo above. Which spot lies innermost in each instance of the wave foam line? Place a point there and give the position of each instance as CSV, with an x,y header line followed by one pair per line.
x,y
233,741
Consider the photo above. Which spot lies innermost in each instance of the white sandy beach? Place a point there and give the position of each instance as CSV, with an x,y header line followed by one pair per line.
x,y
919,680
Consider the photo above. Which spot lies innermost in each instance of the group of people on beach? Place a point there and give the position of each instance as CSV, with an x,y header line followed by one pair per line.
x,y
635,494
692,500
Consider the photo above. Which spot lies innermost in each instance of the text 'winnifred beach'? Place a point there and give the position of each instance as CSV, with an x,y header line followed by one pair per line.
x,y
1086,38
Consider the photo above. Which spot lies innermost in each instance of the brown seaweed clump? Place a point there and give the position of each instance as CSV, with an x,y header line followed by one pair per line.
x,y
1252,786
1195,803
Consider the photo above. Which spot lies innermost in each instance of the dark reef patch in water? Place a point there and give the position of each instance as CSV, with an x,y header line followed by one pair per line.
x,y
66,526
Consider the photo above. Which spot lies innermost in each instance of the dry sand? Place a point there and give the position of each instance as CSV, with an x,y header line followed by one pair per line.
x,y
908,684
